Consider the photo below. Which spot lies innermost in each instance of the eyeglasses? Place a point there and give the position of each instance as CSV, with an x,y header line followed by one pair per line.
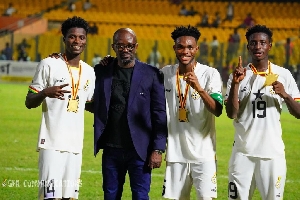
x,y
122,47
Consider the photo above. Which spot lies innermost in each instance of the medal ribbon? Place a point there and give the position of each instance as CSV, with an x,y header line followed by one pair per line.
x,y
74,89
182,99
261,73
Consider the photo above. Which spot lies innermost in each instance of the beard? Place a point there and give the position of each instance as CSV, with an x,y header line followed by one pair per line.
x,y
127,61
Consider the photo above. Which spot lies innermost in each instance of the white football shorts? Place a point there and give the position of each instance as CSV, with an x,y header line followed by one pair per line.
x,y
180,177
246,173
59,174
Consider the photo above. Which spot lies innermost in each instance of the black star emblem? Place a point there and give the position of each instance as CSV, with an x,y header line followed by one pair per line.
x,y
258,95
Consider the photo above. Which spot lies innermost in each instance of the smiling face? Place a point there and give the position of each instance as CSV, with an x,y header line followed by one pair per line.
x,y
125,45
185,49
75,41
259,46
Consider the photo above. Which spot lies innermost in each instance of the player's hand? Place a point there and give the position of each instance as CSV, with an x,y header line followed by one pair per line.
x,y
106,60
55,55
155,160
239,73
56,92
103,63
192,80
279,89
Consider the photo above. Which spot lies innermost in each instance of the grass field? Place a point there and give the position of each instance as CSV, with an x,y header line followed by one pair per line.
x,y
18,165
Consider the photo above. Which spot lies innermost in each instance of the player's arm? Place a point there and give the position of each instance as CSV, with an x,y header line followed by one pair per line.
x,y
215,106
210,103
89,104
106,60
292,105
232,104
34,99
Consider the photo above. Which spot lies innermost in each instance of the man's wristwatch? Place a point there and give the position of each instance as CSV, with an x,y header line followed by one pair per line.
x,y
160,152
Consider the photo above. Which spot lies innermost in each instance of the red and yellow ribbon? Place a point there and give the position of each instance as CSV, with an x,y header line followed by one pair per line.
x,y
74,89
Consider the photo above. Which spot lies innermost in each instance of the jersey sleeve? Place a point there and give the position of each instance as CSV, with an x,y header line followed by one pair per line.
x,y
245,86
92,87
215,87
40,78
229,81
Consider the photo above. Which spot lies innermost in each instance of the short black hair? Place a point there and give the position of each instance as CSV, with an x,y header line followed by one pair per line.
x,y
186,31
259,29
74,22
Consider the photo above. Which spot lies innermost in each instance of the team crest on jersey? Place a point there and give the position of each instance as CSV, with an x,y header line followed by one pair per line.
x,y
277,185
272,91
195,95
42,141
86,85
214,179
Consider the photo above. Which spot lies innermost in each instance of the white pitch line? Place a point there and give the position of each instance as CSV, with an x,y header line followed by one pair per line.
x,y
99,172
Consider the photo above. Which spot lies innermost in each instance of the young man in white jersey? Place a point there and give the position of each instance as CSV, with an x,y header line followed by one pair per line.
x,y
254,99
194,98
63,86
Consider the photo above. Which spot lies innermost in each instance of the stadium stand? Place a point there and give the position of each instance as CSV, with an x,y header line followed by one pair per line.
x,y
154,20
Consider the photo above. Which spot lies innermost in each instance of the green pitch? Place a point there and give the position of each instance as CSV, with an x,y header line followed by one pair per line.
x,y
19,160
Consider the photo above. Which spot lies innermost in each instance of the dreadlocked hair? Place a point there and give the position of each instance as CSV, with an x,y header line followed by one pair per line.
x,y
186,31
74,22
259,29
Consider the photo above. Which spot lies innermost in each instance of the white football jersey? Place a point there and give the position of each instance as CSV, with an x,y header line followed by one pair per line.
x,y
258,130
193,141
61,129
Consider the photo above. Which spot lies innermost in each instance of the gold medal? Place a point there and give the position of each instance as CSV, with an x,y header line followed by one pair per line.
x,y
182,112
73,105
182,115
270,78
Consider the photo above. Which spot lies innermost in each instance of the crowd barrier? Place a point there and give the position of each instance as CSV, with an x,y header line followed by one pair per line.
x,y
17,70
